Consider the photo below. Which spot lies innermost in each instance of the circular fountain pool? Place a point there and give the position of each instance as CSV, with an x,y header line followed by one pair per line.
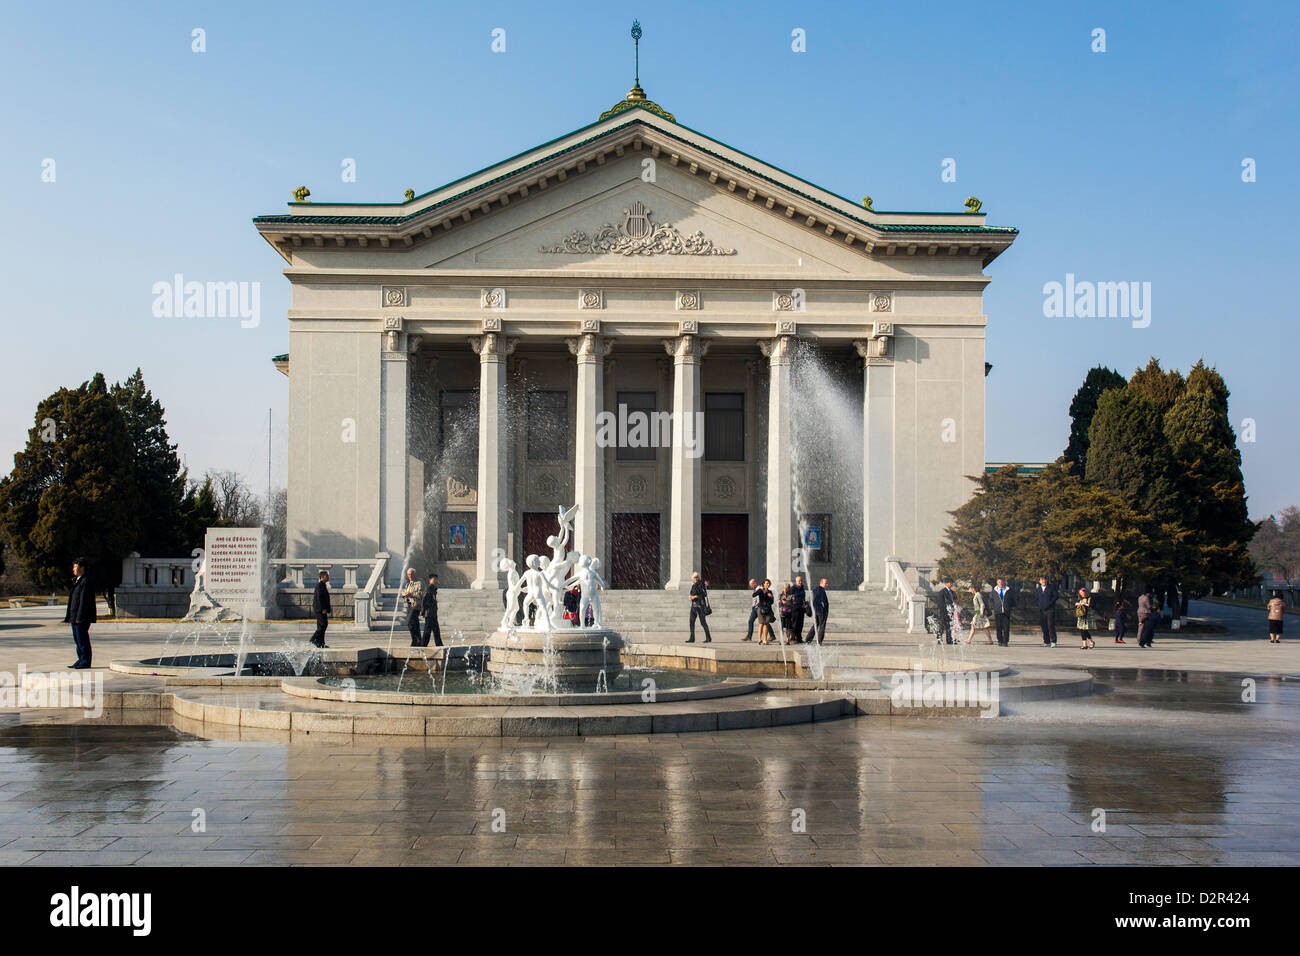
x,y
440,682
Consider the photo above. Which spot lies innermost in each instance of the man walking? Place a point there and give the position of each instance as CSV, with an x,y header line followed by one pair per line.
x,y
412,594
753,609
430,607
81,612
320,606
699,607
1046,595
1003,601
821,606
947,601
798,608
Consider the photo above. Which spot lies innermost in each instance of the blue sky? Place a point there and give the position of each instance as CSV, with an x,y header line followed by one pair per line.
x,y
1115,166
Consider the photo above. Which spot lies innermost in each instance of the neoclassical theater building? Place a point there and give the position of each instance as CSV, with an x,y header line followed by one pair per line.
x,y
450,357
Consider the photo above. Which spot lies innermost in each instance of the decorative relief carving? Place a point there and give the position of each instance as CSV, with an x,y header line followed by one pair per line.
x,y
636,488
725,487
783,301
786,327
492,298
687,348
546,487
591,325
459,492
591,299
392,296
392,323
688,301
491,325
883,328
637,236
882,302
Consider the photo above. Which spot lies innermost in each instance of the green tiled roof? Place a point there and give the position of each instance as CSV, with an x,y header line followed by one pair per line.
x,y
397,220
280,358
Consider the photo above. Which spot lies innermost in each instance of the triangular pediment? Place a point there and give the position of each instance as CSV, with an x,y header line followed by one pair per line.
x,y
691,164
615,218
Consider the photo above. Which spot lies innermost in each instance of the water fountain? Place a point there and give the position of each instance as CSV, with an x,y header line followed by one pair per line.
x,y
569,656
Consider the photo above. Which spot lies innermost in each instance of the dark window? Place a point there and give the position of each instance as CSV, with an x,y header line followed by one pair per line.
x,y
548,426
724,426
458,424
645,434
459,539
816,530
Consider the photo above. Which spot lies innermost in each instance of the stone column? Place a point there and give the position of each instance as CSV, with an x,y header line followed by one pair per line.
x,y
493,455
877,458
688,449
588,459
780,492
394,512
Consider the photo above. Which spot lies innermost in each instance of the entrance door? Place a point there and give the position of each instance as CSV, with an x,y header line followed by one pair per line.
x,y
724,539
634,551
538,526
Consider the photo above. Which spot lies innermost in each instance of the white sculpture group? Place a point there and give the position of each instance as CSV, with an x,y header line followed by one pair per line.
x,y
542,586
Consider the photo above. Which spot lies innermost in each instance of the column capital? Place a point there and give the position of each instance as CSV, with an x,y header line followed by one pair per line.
x,y
777,350
687,349
492,346
589,347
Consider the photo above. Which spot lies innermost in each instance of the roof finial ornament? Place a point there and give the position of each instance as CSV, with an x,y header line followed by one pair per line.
x,y
636,52
636,96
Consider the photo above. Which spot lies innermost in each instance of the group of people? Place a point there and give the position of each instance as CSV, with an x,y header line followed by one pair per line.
x,y
793,606
421,600
996,608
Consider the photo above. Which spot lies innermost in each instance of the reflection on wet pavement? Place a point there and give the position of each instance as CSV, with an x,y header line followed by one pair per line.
x,y
1187,769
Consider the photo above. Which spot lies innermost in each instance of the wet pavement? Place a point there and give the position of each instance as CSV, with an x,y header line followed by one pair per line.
x,y
1186,767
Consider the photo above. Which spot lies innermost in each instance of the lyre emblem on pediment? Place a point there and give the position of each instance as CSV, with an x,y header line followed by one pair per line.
x,y
636,221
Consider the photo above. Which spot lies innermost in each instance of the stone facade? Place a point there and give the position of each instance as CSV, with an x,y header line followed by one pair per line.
x,y
450,356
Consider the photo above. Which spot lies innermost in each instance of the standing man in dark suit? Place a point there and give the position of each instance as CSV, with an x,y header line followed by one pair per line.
x,y
1046,595
81,612
430,608
320,606
821,606
946,601
799,608
699,607
1002,601
753,609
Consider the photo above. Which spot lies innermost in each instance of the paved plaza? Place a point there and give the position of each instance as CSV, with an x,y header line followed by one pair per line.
x,y
1185,770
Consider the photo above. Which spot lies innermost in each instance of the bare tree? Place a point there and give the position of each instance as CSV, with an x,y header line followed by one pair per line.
x,y
238,505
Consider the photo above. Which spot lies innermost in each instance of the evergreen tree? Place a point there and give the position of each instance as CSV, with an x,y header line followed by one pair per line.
x,y
1128,453
1209,487
1082,409
72,491
158,472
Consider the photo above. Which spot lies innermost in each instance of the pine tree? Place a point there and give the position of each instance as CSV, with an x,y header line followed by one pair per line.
x,y
158,472
72,491
1082,409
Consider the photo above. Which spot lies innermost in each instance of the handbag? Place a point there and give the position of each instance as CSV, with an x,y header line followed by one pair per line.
x,y
705,608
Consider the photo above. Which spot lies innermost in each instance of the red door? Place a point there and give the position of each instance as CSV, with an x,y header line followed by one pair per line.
x,y
634,551
724,539
538,526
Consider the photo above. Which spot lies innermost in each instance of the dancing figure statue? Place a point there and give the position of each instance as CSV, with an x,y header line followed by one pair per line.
x,y
511,571
586,574
537,595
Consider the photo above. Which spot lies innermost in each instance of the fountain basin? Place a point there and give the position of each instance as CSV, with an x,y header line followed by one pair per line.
x,y
574,656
